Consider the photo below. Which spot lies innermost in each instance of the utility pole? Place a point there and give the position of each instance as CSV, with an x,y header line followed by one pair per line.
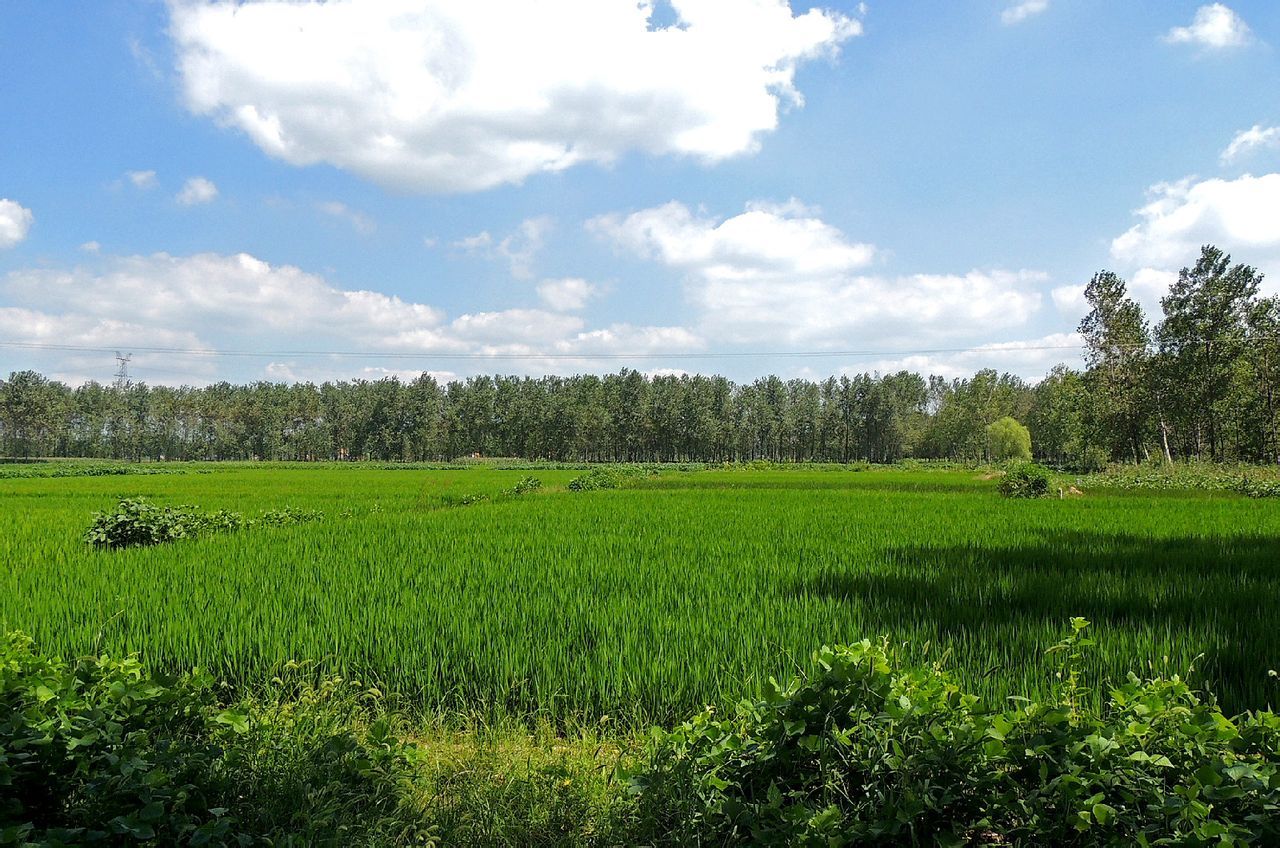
x,y
122,370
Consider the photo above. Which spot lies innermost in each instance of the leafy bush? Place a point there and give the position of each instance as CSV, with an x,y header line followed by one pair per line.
x,y
137,522
595,479
1258,488
868,752
1024,480
526,485
288,516
101,751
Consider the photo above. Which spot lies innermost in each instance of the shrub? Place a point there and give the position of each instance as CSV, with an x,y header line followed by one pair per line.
x,y
594,480
869,752
136,521
1008,440
101,751
1024,480
526,485
1258,488
288,516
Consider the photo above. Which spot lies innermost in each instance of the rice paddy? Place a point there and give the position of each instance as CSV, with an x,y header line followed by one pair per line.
x,y
644,603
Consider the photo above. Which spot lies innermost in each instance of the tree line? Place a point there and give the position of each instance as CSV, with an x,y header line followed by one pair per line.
x,y
1202,383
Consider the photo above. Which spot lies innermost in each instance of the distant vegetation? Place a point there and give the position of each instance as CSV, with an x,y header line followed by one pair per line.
x,y
1203,383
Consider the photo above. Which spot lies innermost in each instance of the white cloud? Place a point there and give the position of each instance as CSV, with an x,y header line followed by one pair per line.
x,y
15,222
1215,27
239,302
142,179
778,276
1030,359
1241,216
453,95
519,248
91,247
359,221
197,190
1070,300
1246,141
566,295
1019,12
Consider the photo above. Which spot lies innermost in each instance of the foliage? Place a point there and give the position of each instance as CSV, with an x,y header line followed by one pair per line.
x,y
525,485
136,522
1259,488
1185,477
1024,480
870,751
1008,440
595,479
287,517
103,751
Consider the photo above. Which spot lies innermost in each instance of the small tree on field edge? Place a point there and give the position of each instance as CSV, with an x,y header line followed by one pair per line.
x,y
1008,440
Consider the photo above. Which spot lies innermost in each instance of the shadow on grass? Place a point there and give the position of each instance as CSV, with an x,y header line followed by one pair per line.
x,y
1219,595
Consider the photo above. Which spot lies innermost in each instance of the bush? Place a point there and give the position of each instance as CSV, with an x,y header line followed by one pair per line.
x,y
1024,480
101,751
1258,488
594,480
136,522
869,752
526,485
287,517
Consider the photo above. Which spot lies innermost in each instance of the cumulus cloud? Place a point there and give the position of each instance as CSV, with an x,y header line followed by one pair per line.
x,y
15,222
778,275
1241,216
238,302
1215,27
197,190
1256,137
453,95
142,179
359,221
566,295
1019,12
1030,359
519,249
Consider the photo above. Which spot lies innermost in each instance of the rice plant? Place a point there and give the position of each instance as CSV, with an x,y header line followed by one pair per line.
x,y
647,602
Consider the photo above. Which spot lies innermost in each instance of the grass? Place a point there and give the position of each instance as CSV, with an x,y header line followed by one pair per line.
x,y
624,607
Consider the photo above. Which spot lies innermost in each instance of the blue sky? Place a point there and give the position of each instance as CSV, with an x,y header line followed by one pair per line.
x,y
463,187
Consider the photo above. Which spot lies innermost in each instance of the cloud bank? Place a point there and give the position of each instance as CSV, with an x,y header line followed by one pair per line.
x,y
458,96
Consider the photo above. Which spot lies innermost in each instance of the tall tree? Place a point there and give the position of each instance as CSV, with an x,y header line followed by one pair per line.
x,y
1117,342
1204,334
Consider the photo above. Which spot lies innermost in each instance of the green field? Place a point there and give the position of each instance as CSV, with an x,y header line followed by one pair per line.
x,y
644,603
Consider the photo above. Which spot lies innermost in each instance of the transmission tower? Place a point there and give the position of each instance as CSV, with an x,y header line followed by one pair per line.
x,y
122,371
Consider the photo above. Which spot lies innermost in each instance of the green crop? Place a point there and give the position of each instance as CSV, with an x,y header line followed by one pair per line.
x,y
647,602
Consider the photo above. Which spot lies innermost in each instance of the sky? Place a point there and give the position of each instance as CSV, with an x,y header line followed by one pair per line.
x,y
291,190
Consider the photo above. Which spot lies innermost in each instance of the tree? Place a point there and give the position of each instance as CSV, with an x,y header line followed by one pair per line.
x,y
1117,341
1204,335
29,412
1007,439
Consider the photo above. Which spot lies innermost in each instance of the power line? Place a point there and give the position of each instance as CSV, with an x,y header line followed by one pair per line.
x,y
994,347
789,354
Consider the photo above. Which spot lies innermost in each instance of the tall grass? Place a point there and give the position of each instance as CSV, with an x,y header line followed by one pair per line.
x,y
642,604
